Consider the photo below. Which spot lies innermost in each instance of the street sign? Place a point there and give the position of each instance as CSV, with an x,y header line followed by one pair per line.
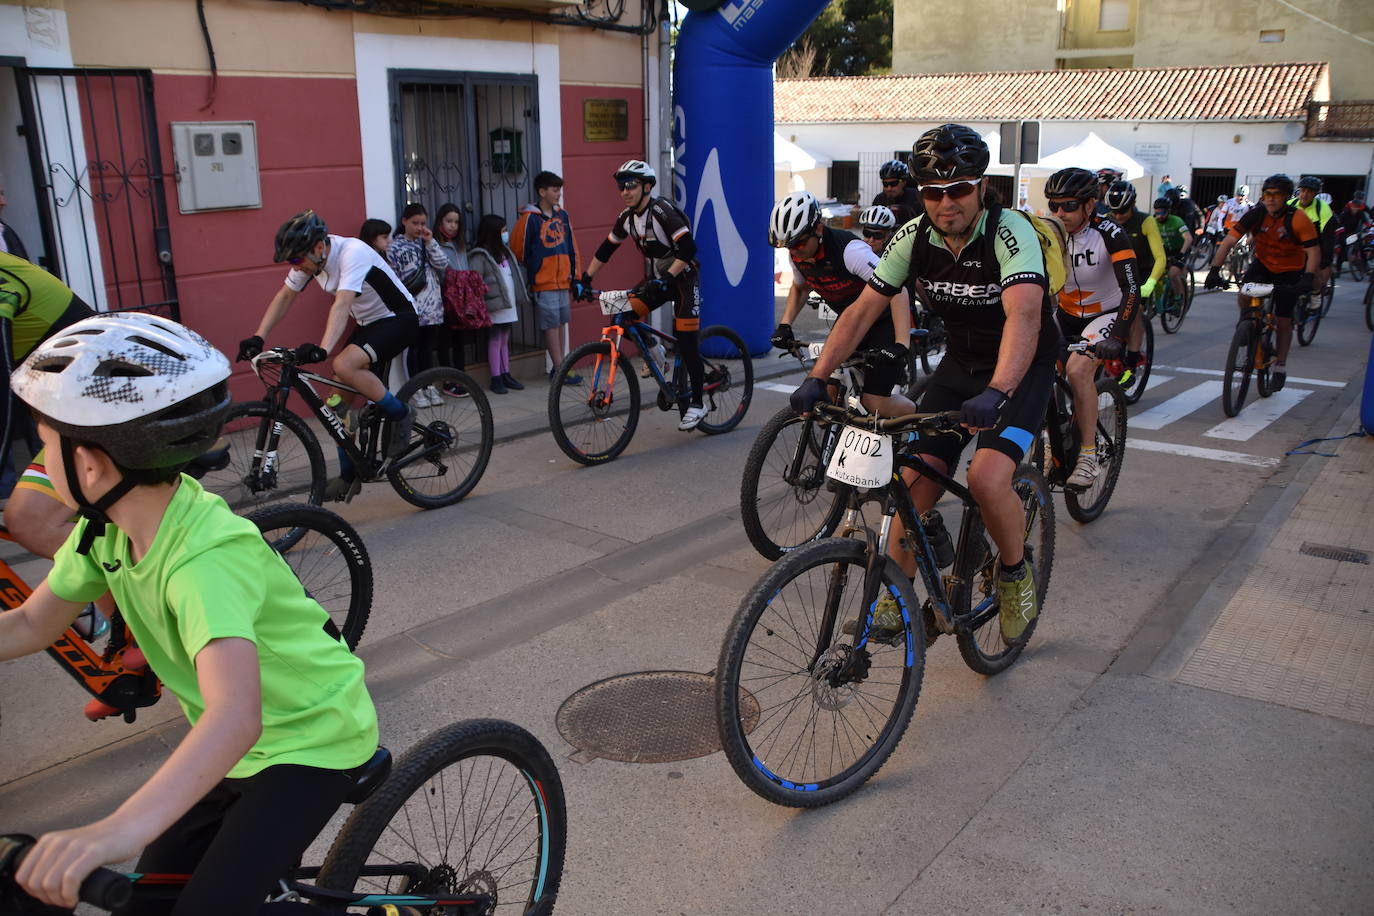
x,y
1019,137
1030,142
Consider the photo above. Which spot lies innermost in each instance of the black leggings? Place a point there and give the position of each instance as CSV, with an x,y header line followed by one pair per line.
x,y
239,839
436,345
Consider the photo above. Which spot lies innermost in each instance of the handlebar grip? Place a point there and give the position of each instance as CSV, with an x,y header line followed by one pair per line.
x,y
106,889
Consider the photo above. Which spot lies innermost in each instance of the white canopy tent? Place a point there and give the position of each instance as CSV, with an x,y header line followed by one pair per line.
x,y
789,157
1091,153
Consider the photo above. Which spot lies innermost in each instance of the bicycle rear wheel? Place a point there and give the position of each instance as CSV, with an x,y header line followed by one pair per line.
x,y
1171,310
1369,305
329,559
1306,317
1328,293
729,384
592,415
450,442
474,807
1086,505
1140,375
785,499
1240,362
293,470
804,731
980,632
1263,359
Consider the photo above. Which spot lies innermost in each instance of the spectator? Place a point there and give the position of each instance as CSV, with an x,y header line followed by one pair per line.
x,y
448,229
1164,187
418,260
507,293
377,233
542,241
9,239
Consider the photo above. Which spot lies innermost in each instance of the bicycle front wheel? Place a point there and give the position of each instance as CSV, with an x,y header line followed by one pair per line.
x,y
450,441
270,460
1328,293
1140,375
803,727
729,382
592,413
1240,362
785,499
1306,317
329,559
1086,505
980,631
1171,310
475,807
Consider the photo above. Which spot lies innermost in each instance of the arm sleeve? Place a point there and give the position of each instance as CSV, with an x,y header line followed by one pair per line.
x,y
1017,248
297,280
437,258
1304,230
1126,268
860,260
619,229
1151,232
73,577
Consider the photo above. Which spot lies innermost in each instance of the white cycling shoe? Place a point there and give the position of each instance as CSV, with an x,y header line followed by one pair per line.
x,y
692,417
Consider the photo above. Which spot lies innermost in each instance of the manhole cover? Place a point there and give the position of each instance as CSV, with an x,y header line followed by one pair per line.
x,y
647,717
1331,552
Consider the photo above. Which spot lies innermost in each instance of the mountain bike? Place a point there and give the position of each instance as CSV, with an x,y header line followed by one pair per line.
x,y
274,455
1055,451
1133,380
1171,307
594,399
1253,349
930,346
1307,316
323,550
1238,260
810,702
1201,251
470,821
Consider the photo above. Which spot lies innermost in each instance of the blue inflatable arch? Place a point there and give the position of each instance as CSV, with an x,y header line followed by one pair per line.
x,y
723,152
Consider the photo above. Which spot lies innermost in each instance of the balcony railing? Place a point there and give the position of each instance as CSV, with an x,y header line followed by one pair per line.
x,y
1344,120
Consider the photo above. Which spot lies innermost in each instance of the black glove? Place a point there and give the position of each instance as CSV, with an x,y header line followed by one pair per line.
x,y
582,288
894,355
653,292
1110,348
1214,280
783,337
310,353
808,394
1305,283
249,347
981,411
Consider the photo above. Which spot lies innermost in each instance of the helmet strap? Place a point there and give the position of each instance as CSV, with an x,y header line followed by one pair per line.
x,y
93,513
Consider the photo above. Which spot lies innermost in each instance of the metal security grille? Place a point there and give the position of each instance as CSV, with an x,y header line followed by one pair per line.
x,y
97,167
472,140
1331,552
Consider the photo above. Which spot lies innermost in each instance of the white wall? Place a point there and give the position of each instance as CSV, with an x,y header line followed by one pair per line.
x,y
376,54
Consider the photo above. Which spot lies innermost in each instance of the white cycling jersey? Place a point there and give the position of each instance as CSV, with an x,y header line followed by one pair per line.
x,y
354,265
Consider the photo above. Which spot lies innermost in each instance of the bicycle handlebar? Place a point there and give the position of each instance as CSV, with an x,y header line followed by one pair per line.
x,y
943,421
103,888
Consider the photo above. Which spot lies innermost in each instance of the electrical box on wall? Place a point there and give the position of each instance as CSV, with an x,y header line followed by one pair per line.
x,y
217,165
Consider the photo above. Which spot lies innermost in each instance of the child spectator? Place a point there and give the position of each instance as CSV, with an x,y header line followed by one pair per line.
x,y
418,260
448,230
507,293
377,233
543,243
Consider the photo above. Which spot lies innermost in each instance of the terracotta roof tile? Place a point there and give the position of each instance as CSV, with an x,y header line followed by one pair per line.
x,y
1263,92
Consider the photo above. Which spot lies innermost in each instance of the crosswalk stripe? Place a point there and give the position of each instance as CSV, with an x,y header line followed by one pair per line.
x,y
1177,407
1319,382
1156,380
778,386
1257,415
1195,451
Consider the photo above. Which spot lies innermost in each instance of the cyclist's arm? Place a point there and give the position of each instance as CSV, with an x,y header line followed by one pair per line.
x,y
1125,267
796,298
901,317
276,311
227,673
1150,229
1187,242
338,319
36,624
849,329
1020,335
603,254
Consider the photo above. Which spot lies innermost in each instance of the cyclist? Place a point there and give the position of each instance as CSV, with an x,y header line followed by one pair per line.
x,y
1216,218
1236,207
1184,207
1105,179
897,194
1355,220
663,235
1145,241
278,709
1102,280
877,223
1287,254
980,267
1177,238
363,285
838,267
1319,212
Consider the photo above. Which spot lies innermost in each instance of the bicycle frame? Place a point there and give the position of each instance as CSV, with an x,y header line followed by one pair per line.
x,y
1260,312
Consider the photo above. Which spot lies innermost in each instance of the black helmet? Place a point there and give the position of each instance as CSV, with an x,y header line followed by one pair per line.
x,y
948,151
1174,194
1278,182
299,234
1120,196
1071,182
894,168
1107,176
1162,203
1310,182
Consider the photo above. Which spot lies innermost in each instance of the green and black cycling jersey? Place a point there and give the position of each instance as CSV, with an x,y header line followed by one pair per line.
x,y
966,290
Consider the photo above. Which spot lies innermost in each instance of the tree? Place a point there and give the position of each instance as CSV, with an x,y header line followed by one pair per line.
x,y
848,38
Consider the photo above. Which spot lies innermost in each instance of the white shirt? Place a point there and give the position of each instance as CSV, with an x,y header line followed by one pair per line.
x,y
354,265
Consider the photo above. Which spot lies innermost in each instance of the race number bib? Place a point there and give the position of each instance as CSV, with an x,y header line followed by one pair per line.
x,y
862,459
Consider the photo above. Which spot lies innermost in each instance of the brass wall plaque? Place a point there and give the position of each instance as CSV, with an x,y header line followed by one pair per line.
x,y
605,120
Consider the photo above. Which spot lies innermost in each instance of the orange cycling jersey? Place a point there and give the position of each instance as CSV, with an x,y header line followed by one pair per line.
x,y
1281,242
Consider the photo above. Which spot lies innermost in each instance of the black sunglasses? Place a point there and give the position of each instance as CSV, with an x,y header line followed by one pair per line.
x,y
958,190
1068,206
625,184
891,182
875,233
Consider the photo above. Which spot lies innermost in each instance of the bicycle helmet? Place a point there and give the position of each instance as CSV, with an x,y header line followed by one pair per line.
x,y
877,217
1162,203
637,168
1221,198
1071,182
1182,190
949,151
1278,182
1120,196
1107,176
1243,191
1310,183
793,217
894,168
1324,198
1357,197
298,235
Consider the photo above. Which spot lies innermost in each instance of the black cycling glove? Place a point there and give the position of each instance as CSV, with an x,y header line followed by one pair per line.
x,y
1109,348
310,353
808,394
249,347
982,410
894,354
1214,280
582,288
783,337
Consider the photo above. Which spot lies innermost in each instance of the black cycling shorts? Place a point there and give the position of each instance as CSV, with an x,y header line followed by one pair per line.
x,y
386,338
1285,296
1022,416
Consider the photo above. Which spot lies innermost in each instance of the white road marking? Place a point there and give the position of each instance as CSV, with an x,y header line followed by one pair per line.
x,y
778,386
1319,382
1256,415
1177,407
1156,380
1194,451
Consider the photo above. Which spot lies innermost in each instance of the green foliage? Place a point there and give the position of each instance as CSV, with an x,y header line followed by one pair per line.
x,y
850,38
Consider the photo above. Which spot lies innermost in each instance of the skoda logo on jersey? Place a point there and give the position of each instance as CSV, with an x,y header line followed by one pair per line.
x,y
734,254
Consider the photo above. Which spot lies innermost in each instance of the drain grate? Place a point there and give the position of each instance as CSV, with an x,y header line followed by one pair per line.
x,y
647,717
1328,552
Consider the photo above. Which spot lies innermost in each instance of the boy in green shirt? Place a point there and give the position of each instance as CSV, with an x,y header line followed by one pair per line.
x,y
278,710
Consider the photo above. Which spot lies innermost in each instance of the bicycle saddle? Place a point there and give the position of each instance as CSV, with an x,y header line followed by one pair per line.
x,y
368,776
1258,290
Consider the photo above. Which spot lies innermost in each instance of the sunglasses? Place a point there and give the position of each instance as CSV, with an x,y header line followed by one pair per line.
x,y
871,234
801,242
891,182
626,184
1068,206
958,190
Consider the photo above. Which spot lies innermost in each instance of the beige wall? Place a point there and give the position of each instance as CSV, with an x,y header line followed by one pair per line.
x,y
1018,35
1082,18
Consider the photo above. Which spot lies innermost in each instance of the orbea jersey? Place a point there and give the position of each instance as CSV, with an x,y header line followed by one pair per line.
x,y
1278,249
840,270
32,300
354,265
966,289
1103,273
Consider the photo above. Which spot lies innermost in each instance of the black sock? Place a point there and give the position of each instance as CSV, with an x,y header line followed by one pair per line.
x,y
1013,572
